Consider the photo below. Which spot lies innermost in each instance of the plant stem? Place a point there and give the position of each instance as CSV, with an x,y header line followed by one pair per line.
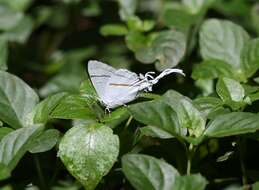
x,y
189,159
241,160
39,171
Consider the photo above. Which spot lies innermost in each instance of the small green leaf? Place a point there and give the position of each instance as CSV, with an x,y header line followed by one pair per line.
x,y
168,48
4,131
156,113
89,153
3,53
148,173
136,41
43,110
191,182
17,100
208,105
211,69
17,5
127,8
73,107
113,30
135,24
234,123
156,132
189,116
45,141
250,57
14,145
223,40
9,18
195,6
230,90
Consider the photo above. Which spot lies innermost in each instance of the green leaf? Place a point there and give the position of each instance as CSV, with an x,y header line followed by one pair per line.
x,y
255,16
113,30
45,141
136,41
208,105
190,182
9,18
4,172
136,24
3,53
156,132
17,5
4,131
189,116
223,40
116,117
73,107
21,31
234,123
89,153
178,18
43,110
250,57
195,6
127,8
14,145
211,69
230,90
148,173
156,113
168,48
17,100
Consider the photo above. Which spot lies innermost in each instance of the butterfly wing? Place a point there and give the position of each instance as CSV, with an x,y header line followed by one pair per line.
x,y
100,74
121,88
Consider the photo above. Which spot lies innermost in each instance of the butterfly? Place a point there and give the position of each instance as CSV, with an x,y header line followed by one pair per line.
x,y
116,87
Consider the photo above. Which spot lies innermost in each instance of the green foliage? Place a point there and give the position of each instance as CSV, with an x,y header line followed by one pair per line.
x,y
55,132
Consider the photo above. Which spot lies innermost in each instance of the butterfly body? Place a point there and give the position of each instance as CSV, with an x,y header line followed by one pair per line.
x,y
118,87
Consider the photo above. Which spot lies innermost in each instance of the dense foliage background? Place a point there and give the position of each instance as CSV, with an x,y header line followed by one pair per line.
x,y
192,133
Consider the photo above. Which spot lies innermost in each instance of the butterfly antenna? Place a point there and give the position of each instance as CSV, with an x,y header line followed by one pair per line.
x,y
166,72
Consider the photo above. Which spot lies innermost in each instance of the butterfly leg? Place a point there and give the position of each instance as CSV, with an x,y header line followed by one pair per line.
x,y
107,110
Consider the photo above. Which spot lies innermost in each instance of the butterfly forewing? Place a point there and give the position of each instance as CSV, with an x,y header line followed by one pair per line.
x,y
100,74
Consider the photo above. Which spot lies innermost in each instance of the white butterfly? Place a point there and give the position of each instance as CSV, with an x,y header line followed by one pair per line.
x,y
118,87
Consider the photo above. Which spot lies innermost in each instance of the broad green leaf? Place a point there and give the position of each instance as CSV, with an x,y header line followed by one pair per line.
x,y
188,115
190,182
208,105
43,110
168,48
73,107
4,172
148,173
137,41
230,90
17,5
255,186
195,6
255,16
87,90
9,18
116,117
17,100
45,141
206,86
14,145
156,132
223,40
21,31
211,69
89,153
3,53
127,8
114,30
156,113
250,57
234,123
4,131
